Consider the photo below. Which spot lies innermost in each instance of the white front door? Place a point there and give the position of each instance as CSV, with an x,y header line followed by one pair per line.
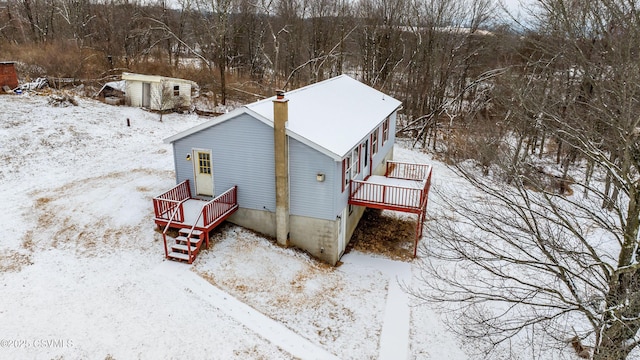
x,y
203,170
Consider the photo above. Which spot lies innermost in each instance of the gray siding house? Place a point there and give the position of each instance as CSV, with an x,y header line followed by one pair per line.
x,y
333,132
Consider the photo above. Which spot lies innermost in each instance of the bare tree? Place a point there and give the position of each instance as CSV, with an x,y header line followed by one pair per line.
x,y
214,31
445,63
528,254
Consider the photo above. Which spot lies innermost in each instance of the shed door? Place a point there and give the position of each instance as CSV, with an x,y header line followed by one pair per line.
x,y
146,95
203,170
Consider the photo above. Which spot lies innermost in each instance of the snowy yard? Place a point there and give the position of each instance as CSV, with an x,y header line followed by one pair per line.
x,y
82,271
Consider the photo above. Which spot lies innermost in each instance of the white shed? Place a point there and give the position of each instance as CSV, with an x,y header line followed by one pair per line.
x,y
157,92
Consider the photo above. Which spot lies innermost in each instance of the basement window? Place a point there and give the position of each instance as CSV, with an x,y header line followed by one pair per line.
x,y
176,90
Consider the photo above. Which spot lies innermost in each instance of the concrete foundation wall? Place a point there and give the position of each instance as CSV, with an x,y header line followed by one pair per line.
x,y
316,236
260,221
352,221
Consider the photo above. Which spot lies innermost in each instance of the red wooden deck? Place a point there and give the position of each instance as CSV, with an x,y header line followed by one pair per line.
x,y
177,209
404,187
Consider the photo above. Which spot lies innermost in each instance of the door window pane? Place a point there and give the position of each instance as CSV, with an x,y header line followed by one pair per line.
x,y
204,163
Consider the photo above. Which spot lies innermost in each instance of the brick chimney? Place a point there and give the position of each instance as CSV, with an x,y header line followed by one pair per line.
x,y
280,118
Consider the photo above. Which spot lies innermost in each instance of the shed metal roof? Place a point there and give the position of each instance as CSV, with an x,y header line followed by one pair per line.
x,y
154,78
331,116
116,85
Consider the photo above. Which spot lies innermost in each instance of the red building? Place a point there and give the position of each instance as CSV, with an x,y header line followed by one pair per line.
x,y
8,76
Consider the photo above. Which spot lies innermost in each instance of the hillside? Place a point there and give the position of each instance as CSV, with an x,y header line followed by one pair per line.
x,y
83,273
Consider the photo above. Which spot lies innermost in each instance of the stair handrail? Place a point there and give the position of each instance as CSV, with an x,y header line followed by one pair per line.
x,y
166,228
233,191
191,232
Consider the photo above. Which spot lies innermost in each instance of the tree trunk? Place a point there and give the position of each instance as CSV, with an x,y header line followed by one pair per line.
x,y
542,139
515,160
587,177
223,84
32,21
623,297
607,203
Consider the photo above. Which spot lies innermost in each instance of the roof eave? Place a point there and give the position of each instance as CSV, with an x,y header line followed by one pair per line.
x,y
216,121
205,125
314,145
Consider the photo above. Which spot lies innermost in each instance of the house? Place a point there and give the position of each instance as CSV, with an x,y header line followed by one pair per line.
x,y
157,92
301,167
8,75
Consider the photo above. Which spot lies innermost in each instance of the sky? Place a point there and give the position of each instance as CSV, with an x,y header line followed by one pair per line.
x,y
519,9
516,5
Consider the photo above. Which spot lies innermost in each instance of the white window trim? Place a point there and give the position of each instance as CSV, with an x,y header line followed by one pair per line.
x,y
347,171
385,131
374,142
365,151
355,164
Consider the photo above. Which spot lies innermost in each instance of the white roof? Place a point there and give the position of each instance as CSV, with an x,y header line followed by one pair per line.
x,y
331,116
154,78
117,85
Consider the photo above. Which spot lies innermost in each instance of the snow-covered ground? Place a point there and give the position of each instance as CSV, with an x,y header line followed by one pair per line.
x,y
82,271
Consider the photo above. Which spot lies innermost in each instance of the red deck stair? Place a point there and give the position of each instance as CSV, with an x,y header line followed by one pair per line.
x,y
193,218
187,242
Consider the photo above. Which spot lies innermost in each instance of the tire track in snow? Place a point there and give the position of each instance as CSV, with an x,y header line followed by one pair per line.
x,y
180,275
394,339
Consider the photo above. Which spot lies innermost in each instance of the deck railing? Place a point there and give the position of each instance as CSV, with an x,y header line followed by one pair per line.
x,y
165,204
427,187
166,228
213,211
393,196
408,171
215,208
386,195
